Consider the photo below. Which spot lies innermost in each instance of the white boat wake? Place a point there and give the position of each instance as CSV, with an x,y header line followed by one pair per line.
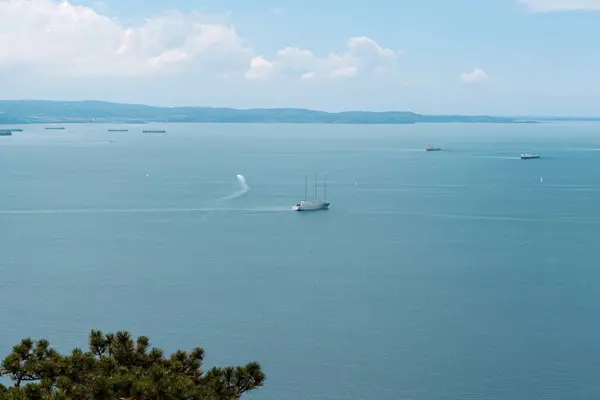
x,y
86,211
244,188
243,182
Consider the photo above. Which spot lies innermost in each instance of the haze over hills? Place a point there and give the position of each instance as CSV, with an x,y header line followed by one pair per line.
x,y
45,111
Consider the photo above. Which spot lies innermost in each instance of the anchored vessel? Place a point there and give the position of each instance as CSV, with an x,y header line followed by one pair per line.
x,y
5,132
527,156
313,205
154,131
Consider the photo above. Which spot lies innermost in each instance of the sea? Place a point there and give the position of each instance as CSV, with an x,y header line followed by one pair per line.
x,y
465,274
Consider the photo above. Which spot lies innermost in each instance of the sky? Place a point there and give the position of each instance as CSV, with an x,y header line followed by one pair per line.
x,y
500,57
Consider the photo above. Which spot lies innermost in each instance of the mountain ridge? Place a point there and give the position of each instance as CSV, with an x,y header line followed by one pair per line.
x,y
94,111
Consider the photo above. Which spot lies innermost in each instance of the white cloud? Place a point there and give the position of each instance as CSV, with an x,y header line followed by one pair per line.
x,y
66,39
344,72
543,6
362,56
477,75
260,68
369,48
53,49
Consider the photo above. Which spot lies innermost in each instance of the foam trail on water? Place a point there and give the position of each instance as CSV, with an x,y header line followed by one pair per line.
x,y
244,188
86,211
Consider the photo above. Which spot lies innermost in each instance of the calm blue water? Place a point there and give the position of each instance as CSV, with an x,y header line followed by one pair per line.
x,y
451,275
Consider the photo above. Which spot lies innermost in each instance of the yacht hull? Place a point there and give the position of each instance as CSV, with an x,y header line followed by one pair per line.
x,y
311,206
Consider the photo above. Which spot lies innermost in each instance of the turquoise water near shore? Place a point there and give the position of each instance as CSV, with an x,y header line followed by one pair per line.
x,y
447,275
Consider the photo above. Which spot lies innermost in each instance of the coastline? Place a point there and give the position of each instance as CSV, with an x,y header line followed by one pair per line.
x,y
23,112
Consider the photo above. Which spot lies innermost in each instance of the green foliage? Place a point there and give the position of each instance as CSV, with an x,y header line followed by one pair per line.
x,y
118,367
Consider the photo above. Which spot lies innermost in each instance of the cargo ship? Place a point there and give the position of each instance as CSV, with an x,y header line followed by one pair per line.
x,y
527,156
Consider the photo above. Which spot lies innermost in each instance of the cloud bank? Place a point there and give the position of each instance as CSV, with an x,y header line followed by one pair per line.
x,y
362,56
545,6
47,37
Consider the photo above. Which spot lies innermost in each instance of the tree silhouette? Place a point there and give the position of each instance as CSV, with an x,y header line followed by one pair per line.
x,y
118,367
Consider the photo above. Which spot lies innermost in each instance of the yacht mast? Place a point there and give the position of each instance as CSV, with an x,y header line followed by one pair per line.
x,y
305,187
316,185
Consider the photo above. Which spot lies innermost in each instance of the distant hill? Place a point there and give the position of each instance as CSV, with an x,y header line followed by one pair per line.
x,y
42,111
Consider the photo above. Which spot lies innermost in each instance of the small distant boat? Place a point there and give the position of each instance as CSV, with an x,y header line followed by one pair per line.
x,y
431,148
118,130
527,156
16,130
312,205
5,132
55,128
154,131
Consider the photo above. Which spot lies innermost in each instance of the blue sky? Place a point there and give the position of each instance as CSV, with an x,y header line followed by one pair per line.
x,y
509,57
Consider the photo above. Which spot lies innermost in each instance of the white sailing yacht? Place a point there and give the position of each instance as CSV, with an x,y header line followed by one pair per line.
x,y
313,205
